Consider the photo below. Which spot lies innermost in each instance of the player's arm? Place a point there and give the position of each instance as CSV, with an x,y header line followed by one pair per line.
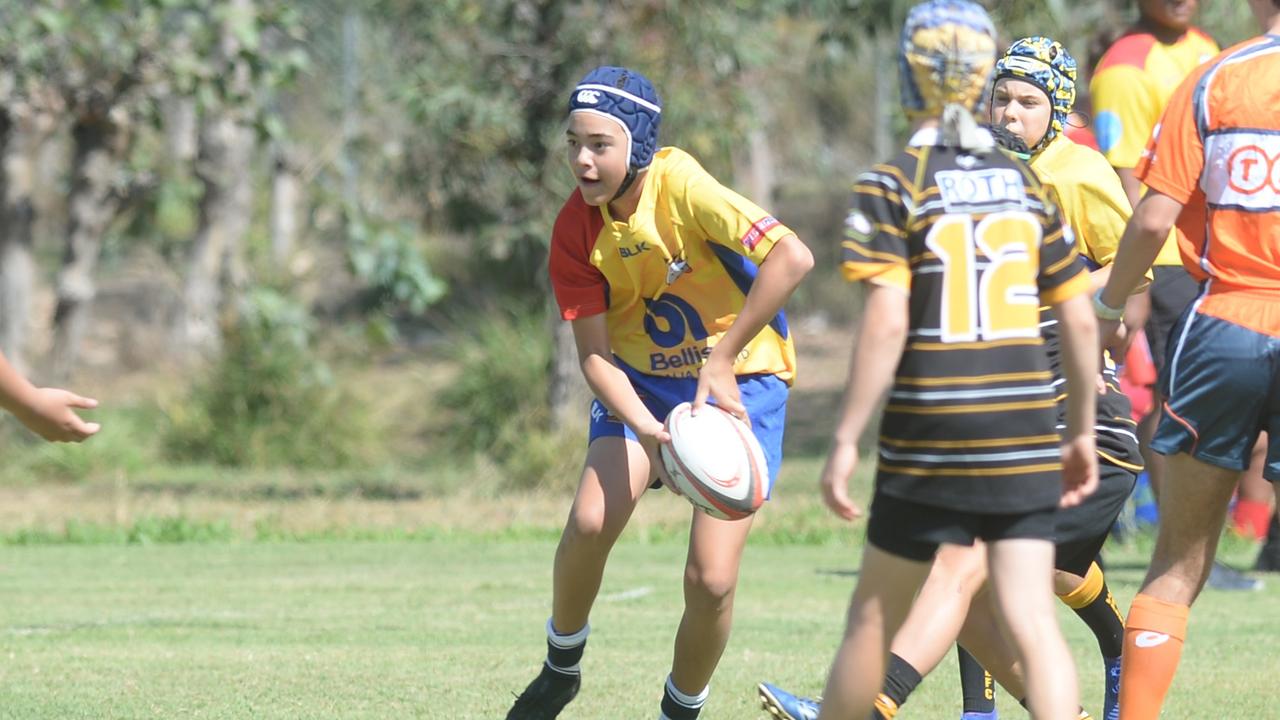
x,y
609,384
781,272
1132,186
1143,237
48,412
881,337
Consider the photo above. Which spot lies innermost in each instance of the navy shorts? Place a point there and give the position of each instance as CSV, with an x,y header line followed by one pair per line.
x,y
1222,384
765,397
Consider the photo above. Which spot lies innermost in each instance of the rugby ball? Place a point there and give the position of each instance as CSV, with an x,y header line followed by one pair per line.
x,y
715,461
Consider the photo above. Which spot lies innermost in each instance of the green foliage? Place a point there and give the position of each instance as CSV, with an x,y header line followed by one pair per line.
x,y
125,447
500,399
385,256
268,400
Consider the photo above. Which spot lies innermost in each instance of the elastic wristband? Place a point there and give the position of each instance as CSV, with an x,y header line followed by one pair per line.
x,y
1103,310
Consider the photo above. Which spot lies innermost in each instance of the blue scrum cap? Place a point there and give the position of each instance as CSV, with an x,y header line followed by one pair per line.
x,y
629,98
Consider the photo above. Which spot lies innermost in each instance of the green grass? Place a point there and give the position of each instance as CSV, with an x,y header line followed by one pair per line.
x,y
450,628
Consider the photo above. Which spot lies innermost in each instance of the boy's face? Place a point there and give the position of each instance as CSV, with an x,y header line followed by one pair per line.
x,y
597,150
1172,14
1022,108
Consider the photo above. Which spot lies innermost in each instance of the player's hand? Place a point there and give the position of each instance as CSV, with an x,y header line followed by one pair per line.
x,y
1079,469
841,462
652,442
717,381
51,414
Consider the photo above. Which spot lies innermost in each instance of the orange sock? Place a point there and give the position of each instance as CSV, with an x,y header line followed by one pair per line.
x,y
1153,637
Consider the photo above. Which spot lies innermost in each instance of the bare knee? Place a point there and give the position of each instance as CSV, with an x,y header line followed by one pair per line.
x,y
590,525
710,588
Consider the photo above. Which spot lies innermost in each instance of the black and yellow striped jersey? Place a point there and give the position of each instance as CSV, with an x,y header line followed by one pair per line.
x,y
979,246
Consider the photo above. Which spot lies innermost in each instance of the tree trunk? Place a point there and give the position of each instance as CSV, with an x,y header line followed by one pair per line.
x,y
24,134
98,148
216,260
225,209
286,194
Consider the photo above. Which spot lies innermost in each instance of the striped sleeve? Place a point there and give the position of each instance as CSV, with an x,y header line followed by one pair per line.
x,y
875,238
1063,274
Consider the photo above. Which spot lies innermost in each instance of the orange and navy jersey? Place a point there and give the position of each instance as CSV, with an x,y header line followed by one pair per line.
x,y
979,246
1131,86
673,277
1217,151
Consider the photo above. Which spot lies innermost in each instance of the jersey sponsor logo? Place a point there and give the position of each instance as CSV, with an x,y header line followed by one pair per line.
x,y
589,97
1148,639
976,190
1242,169
757,232
634,250
671,322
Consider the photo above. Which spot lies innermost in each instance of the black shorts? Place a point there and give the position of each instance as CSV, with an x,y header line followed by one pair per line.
x,y
914,530
1172,290
1087,525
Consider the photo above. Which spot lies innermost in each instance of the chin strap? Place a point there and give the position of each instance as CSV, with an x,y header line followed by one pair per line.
x,y
626,183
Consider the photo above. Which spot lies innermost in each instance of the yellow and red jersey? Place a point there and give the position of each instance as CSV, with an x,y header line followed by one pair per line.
x,y
674,276
1217,151
1131,86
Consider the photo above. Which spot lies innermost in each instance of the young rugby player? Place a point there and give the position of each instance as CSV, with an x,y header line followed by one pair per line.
x,y
1033,96
48,412
958,246
1212,169
675,286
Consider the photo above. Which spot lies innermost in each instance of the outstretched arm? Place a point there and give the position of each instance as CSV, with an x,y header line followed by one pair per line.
x,y
48,412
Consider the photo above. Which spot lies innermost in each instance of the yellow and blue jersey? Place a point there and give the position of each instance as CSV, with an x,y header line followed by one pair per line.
x,y
673,277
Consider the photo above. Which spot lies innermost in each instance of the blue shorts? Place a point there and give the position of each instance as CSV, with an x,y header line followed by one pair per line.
x,y
765,397
1222,384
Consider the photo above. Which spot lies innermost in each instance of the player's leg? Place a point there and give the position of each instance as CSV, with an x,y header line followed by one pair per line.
x,y
886,585
1021,571
710,579
1254,497
1191,518
1082,586
935,619
977,688
711,568
614,477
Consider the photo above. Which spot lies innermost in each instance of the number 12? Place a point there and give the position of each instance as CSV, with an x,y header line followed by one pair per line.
x,y
1005,301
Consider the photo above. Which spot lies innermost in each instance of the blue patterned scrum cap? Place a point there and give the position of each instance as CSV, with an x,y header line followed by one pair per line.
x,y
946,56
628,97
1043,62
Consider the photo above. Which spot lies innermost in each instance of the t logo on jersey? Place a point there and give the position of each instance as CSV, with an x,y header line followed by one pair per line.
x,y
1242,170
980,190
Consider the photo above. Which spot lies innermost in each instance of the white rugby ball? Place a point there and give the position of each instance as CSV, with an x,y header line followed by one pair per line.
x,y
716,462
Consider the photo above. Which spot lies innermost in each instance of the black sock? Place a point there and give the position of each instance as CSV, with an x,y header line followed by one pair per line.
x,y
564,652
1104,619
899,682
676,705
975,683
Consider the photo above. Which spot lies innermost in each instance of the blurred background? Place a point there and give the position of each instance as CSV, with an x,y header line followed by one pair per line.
x,y
298,248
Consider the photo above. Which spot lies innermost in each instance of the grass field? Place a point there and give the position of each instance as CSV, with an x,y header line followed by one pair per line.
x,y
451,628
